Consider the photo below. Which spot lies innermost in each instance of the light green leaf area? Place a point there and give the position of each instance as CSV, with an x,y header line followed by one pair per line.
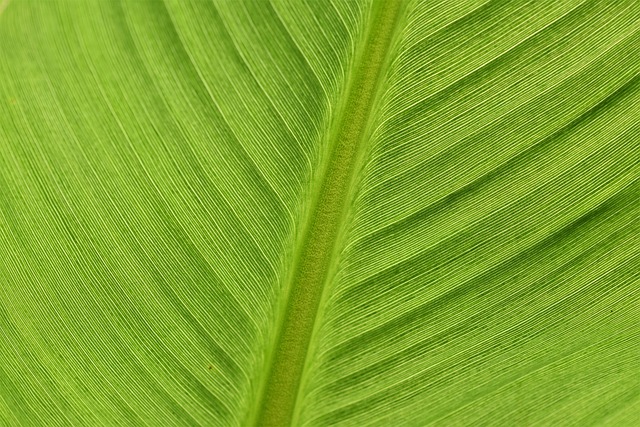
x,y
319,212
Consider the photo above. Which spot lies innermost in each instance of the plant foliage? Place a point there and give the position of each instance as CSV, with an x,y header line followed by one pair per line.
x,y
319,212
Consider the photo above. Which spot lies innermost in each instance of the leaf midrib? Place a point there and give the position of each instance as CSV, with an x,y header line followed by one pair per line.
x,y
313,254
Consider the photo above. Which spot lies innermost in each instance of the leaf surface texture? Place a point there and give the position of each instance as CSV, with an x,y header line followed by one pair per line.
x,y
162,163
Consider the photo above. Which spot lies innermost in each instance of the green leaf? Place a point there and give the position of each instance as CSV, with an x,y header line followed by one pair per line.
x,y
319,212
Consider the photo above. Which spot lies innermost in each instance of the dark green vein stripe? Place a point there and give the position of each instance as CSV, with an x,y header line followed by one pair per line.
x,y
314,252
